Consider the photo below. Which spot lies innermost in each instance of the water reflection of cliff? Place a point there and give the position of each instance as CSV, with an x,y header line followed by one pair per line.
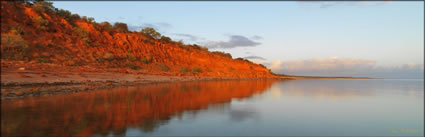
x,y
103,112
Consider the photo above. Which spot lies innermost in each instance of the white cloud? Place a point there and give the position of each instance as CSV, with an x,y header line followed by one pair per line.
x,y
275,65
233,42
323,65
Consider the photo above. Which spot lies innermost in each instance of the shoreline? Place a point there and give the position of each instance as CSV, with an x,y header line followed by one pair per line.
x,y
318,77
26,80
21,80
23,90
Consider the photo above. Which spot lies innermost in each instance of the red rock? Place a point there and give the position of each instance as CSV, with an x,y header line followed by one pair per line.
x,y
124,71
19,93
68,48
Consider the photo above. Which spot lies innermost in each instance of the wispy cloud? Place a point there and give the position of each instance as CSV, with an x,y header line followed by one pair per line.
x,y
188,36
256,37
234,41
157,26
325,5
324,64
254,57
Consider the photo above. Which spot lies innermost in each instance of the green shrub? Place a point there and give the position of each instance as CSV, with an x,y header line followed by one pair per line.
x,y
184,69
223,54
108,56
196,70
100,59
148,41
82,34
132,66
12,40
41,6
38,45
197,47
230,69
106,26
65,14
13,46
40,60
95,44
209,70
121,27
38,8
145,61
163,67
40,23
90,19
182,46
150,32
17,30
165,39
131,57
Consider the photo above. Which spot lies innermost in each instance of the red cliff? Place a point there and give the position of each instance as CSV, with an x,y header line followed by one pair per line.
x,y
43,34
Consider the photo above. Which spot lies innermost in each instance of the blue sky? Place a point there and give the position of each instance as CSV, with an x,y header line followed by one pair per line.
x,y
312,38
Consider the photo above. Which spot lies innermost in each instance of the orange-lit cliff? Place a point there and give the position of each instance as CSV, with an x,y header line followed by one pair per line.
x,y
40,33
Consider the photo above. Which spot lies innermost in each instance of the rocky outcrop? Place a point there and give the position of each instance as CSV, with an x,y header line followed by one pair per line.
x,y
50,37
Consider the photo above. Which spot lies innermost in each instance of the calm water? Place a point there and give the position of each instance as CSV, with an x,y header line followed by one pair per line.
x,y
226,108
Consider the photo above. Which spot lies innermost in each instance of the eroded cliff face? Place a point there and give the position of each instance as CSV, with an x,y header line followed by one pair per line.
x,y
43,35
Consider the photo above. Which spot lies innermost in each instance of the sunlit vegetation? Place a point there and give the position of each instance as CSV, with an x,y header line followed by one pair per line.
x,y
83,41
165,39
106,26
223,54
41,6
13,46
145,60
197,47
67,15
184,69
40,23
120,27
130,57
163,67
132,66
230,69
108,56
82,34
150,32
38,45
41,60
196,70
209,70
